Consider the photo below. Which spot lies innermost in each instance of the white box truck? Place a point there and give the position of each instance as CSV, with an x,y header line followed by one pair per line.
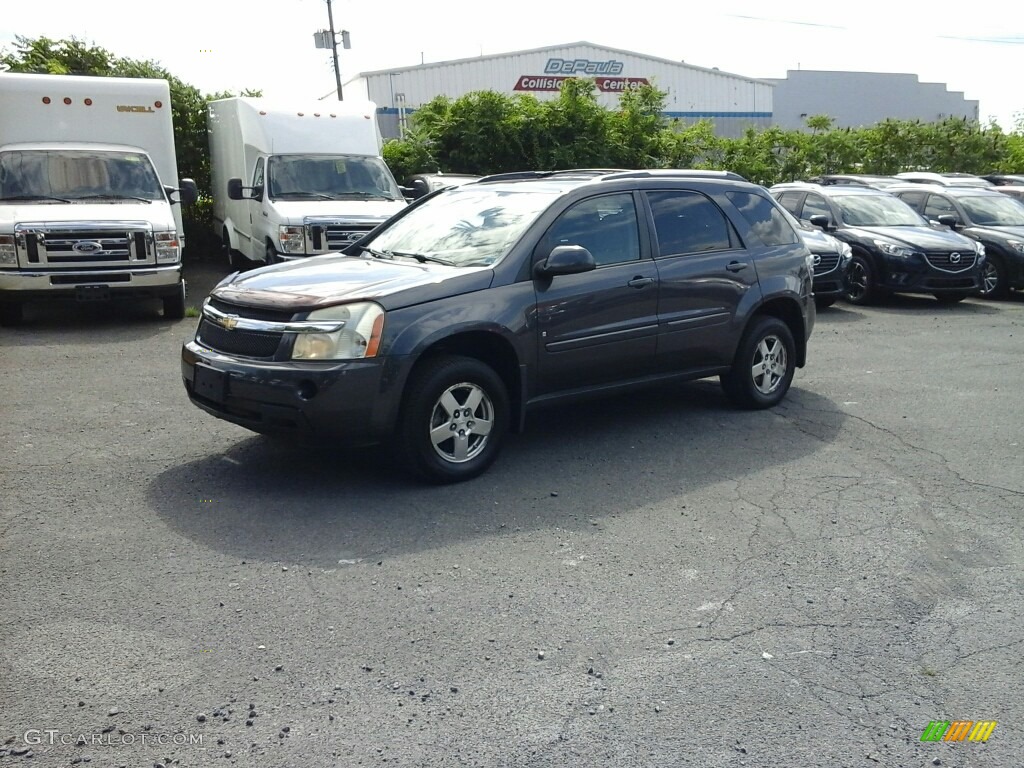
x,y
291,181
85,207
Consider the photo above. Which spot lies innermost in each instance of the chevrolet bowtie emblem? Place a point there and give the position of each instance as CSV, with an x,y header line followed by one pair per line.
x,y
228,321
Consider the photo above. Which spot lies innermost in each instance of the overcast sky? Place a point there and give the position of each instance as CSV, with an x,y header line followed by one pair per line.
x,y
235,44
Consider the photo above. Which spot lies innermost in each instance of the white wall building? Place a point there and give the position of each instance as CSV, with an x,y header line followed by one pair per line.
x,y
733,102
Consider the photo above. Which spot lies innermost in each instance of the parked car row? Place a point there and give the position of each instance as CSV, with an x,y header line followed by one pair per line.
x,y
949,235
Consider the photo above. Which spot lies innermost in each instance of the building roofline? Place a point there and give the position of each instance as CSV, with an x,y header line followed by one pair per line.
x,y
542,49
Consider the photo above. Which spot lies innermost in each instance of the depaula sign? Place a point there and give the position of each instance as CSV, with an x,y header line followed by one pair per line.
x,y
557,71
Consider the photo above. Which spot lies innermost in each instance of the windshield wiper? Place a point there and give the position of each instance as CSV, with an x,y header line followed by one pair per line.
x,y
321,195
35,197
378,254
423,258
111,196
379,195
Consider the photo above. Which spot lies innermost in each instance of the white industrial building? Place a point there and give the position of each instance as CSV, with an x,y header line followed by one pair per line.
x,y
734,102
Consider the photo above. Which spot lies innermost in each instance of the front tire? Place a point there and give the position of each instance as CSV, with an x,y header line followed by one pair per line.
x,y
764,365
860,282
453,420
994,283
174,304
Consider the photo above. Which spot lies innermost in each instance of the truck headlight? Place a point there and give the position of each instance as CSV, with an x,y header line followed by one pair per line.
x,y
291,239
892,249
359,336
167,246
8,255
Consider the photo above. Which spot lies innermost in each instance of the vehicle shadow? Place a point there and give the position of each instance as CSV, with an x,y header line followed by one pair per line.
x,y
904,303
840,313
575,466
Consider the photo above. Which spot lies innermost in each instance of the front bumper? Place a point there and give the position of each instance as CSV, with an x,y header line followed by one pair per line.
x,y
917,276
24,284
346,399
830,285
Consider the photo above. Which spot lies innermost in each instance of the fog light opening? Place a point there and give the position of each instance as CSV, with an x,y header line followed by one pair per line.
x,y
307,390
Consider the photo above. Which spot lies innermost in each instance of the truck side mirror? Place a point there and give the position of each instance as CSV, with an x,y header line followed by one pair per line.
x,y
235,189
188,192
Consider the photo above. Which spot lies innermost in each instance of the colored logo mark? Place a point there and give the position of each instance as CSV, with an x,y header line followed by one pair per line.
x,y
958,730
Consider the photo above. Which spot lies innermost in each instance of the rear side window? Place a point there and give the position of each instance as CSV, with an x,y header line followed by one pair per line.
x,y
688,222
765,218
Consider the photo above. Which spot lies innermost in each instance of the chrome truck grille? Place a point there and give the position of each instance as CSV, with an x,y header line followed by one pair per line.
x,y
327,235
78,244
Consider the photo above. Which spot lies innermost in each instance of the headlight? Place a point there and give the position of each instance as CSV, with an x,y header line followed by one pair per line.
x,y
979,248
1017,245
167,246
845,252
292,239
891,249
7,253
359,337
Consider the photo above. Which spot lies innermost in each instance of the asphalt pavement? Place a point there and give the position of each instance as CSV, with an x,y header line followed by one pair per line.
x,y
651,580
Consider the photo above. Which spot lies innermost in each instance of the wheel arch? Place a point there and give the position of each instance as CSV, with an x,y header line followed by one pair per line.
x,y
788,311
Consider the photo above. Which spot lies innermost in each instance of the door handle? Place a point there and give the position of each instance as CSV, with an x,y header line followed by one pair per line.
x,y
640,282
736,266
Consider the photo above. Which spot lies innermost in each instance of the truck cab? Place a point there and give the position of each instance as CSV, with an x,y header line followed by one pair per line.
x,y
295,182
83,215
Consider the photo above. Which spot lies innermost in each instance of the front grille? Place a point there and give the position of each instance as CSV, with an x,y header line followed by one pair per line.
x,y
825,263
113,246
951,261
339,237
245,343
255,313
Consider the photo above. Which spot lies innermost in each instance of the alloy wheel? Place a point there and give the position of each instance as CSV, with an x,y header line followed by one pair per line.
x,y
770,364
461,422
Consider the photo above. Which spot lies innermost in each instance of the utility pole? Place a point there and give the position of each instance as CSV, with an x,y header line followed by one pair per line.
x,y
334,48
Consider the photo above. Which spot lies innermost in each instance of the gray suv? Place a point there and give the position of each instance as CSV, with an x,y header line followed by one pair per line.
x,y
443,327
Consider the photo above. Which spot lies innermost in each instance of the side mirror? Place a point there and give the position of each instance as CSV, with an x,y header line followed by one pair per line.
x,y
566,260
948,219
408,193
188,192
819,220
235,189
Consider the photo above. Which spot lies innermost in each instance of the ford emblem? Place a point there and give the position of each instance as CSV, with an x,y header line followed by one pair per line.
x,y
353,236
86,246
954,258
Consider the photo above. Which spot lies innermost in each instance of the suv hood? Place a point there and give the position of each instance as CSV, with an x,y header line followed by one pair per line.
x,y
1009,233
920,238
818,241
322,281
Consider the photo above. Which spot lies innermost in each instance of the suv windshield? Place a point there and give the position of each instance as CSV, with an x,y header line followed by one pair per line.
x,y
877,211
73,174
473,225
992,211
330,177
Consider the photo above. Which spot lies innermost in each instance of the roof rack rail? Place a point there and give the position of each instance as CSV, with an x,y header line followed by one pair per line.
x,y
677,172
516,175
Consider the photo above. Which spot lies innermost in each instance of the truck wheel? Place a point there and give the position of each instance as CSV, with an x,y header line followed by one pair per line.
x,y
11,313
233,257
174,304
271,257
455,415
764,365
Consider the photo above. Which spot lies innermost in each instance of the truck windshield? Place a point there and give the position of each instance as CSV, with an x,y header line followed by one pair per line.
x,y
331,177
72,174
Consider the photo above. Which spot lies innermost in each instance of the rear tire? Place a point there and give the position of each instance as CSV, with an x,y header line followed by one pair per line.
x,y
174,305
994,283
11,314
457,396
860,282
764,365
